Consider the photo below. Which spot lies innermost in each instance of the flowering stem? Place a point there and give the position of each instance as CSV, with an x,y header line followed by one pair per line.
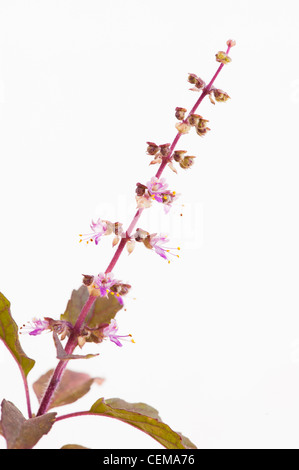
x,y
72,341
166,160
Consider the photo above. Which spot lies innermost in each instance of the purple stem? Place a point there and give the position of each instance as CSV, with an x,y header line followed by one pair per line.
x,y
69,348
72,341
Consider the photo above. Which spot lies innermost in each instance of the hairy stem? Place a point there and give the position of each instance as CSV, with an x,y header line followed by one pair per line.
x,y
61,366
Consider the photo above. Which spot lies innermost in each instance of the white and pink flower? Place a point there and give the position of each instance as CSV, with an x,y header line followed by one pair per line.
x,y
99,228
110,332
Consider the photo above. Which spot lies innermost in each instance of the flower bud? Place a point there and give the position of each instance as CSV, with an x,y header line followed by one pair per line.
x,y
115,241
187,162
178,155
118,228
87,280
195,80
192,78
140,190
183,127
202,123
157,159
164,149
140,235
193,119
202,131
220,95
180,113
152,148
223,57
230,43
120,288
130,246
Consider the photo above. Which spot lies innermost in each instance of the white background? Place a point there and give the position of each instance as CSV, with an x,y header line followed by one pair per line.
x,y
83,86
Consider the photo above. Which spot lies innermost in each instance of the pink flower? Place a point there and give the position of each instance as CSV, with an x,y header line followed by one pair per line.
x,y
99,228
168,197
36,327
110,332
157,189
157,243
105,284
156,186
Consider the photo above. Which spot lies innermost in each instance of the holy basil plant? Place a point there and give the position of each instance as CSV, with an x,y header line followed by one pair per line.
x,y
90,314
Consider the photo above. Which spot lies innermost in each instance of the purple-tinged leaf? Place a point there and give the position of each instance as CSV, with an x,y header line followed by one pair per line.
x,y
21,433
73,386
142,417
10,337
103,310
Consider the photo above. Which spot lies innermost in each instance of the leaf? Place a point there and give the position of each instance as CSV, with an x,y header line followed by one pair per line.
x,y
62,355
73,386
73,446
143,417
103,310
21,433
10,337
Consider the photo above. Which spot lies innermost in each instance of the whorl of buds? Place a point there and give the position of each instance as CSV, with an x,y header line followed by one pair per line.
x,y
195,80
223,57
152,148
178,155
165,149
220,95
187,162
193,119
180,113
201,127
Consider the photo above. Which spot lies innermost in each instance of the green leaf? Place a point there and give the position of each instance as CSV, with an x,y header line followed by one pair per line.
x,y
62,355
10,337
73,446
103,310
143,417
21,433
73,386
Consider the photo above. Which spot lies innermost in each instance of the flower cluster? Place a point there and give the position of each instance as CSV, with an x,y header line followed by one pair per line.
x,y
104,284
155,189
64,328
